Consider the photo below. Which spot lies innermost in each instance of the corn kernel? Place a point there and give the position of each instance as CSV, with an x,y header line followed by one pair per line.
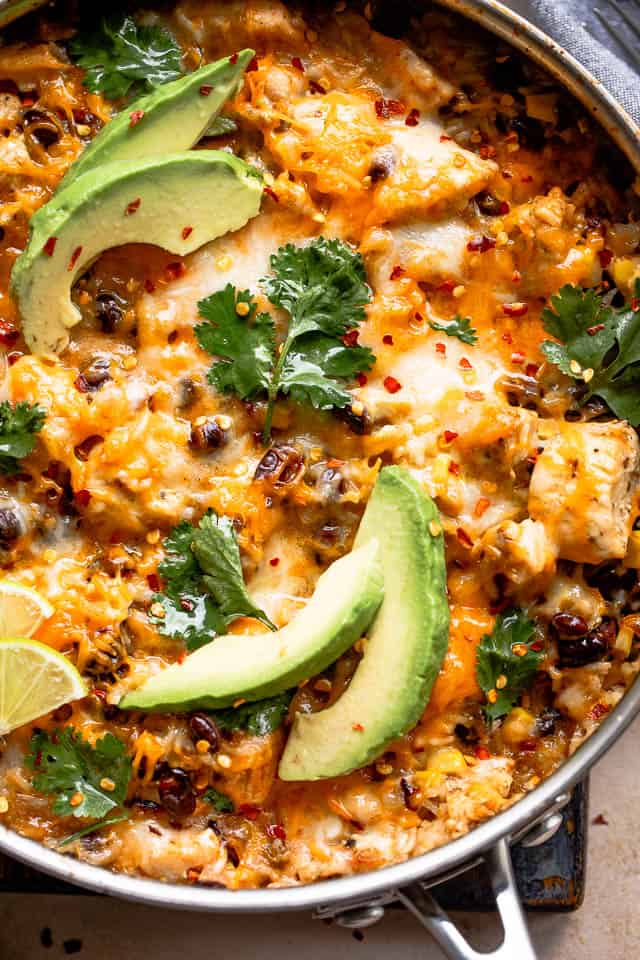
x,y
428,779
357,408
153,537
518,726
224,760
129,363
107,784
202,746
224,262
448,760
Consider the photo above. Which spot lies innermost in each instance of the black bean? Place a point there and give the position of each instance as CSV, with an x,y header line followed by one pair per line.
x,y
41,127
95,373
507,74
410,794
358,423
530,132
578,651
488,204
208,435
109,311
82,450
203,728
281,464
10,525
175,792
382,165
465,734
570,625
547,721
610,579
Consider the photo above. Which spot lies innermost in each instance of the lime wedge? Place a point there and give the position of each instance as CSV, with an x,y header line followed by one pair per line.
x,y
34,679
22,609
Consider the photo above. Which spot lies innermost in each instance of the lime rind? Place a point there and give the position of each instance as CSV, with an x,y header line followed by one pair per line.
x,y
34,679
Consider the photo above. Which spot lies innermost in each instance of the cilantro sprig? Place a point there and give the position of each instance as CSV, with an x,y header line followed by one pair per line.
x,y
506,663
84,780
204,584
18,428
322,288
599,346
119,55
459,327
259,718
219,801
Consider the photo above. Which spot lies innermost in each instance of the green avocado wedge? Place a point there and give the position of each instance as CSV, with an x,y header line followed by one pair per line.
x,y
235,666
175,116
177,202
405,647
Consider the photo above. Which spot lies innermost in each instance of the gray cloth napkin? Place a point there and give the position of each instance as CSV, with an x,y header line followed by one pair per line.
x,y
572,24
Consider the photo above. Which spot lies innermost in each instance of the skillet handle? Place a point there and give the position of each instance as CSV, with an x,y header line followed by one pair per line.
x,y
516,942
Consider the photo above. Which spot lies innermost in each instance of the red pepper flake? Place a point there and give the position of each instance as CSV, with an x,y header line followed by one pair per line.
x,y
297,63
357,727
74,258
516,276
465,364
361,379
450,436
350,338
537,645
182,657
392,385
516,309
316,87
270,193
599,710
526,179
605,257
412,118
187,605
397,272
174,270
474,394
463,538
506,336
507,175
447,286
635,304
153,580
249,810
186,232
14,356
441,349
387,340
454,468
517,357
276,831
50,246
388,108
274,561
233,58
529,746
444,138
149,285
133,207
99,693
596,328
38,759
504,208
135,117
531,369
481,244
82,498
253,65
481,507
206,88
8,333
482,753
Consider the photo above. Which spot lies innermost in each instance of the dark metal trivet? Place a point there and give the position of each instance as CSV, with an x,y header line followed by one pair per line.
x,y
550,877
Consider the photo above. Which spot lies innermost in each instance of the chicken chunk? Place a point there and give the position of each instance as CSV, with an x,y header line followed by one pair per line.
x,y
583,489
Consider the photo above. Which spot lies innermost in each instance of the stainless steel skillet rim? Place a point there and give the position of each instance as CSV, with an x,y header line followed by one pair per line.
x,y
361,887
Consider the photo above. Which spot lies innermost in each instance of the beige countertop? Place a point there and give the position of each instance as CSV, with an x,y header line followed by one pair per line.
x,y
607,927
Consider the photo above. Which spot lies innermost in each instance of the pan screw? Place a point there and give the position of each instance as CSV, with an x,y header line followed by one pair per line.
x,y
360,917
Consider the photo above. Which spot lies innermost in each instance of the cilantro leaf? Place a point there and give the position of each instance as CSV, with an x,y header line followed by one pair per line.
x,y
220,801
108,822
66,766
18,427
221,127
245,344
204,583
496,659
216,549
599,345
459,327
314,366
119,54
259,718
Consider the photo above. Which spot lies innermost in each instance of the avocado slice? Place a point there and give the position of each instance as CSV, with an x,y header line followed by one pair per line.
x,y
405,646
237,667
178,202
175,115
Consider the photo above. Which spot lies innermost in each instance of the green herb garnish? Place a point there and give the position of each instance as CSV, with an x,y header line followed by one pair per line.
x,y
68,768
108,822
323,289
459,327
220,801
599,346
119,55
506,663
18,428
259,718
204,583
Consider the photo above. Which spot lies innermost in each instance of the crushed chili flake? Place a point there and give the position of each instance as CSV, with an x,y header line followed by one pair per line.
x,y
444,138
397,272
297,63
596,328
412,118
481,507
441,349
474,394
149,285
481,244
316,87
482,753
450,436
537,645
529,746
182,657
599,710
270,193
186,232
276,831
8,333
135,117
504,208
517,357
233,58
465,364
74,258
506,336
153,581
206,88
387,340
50,246
516,276
133,207
14,356
454,468
82,497
274,561
174,270
357,727
635,304
447,286
392,385
463,538
361,379
605,257
516,309
531,369
388,108
253,65
350,338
